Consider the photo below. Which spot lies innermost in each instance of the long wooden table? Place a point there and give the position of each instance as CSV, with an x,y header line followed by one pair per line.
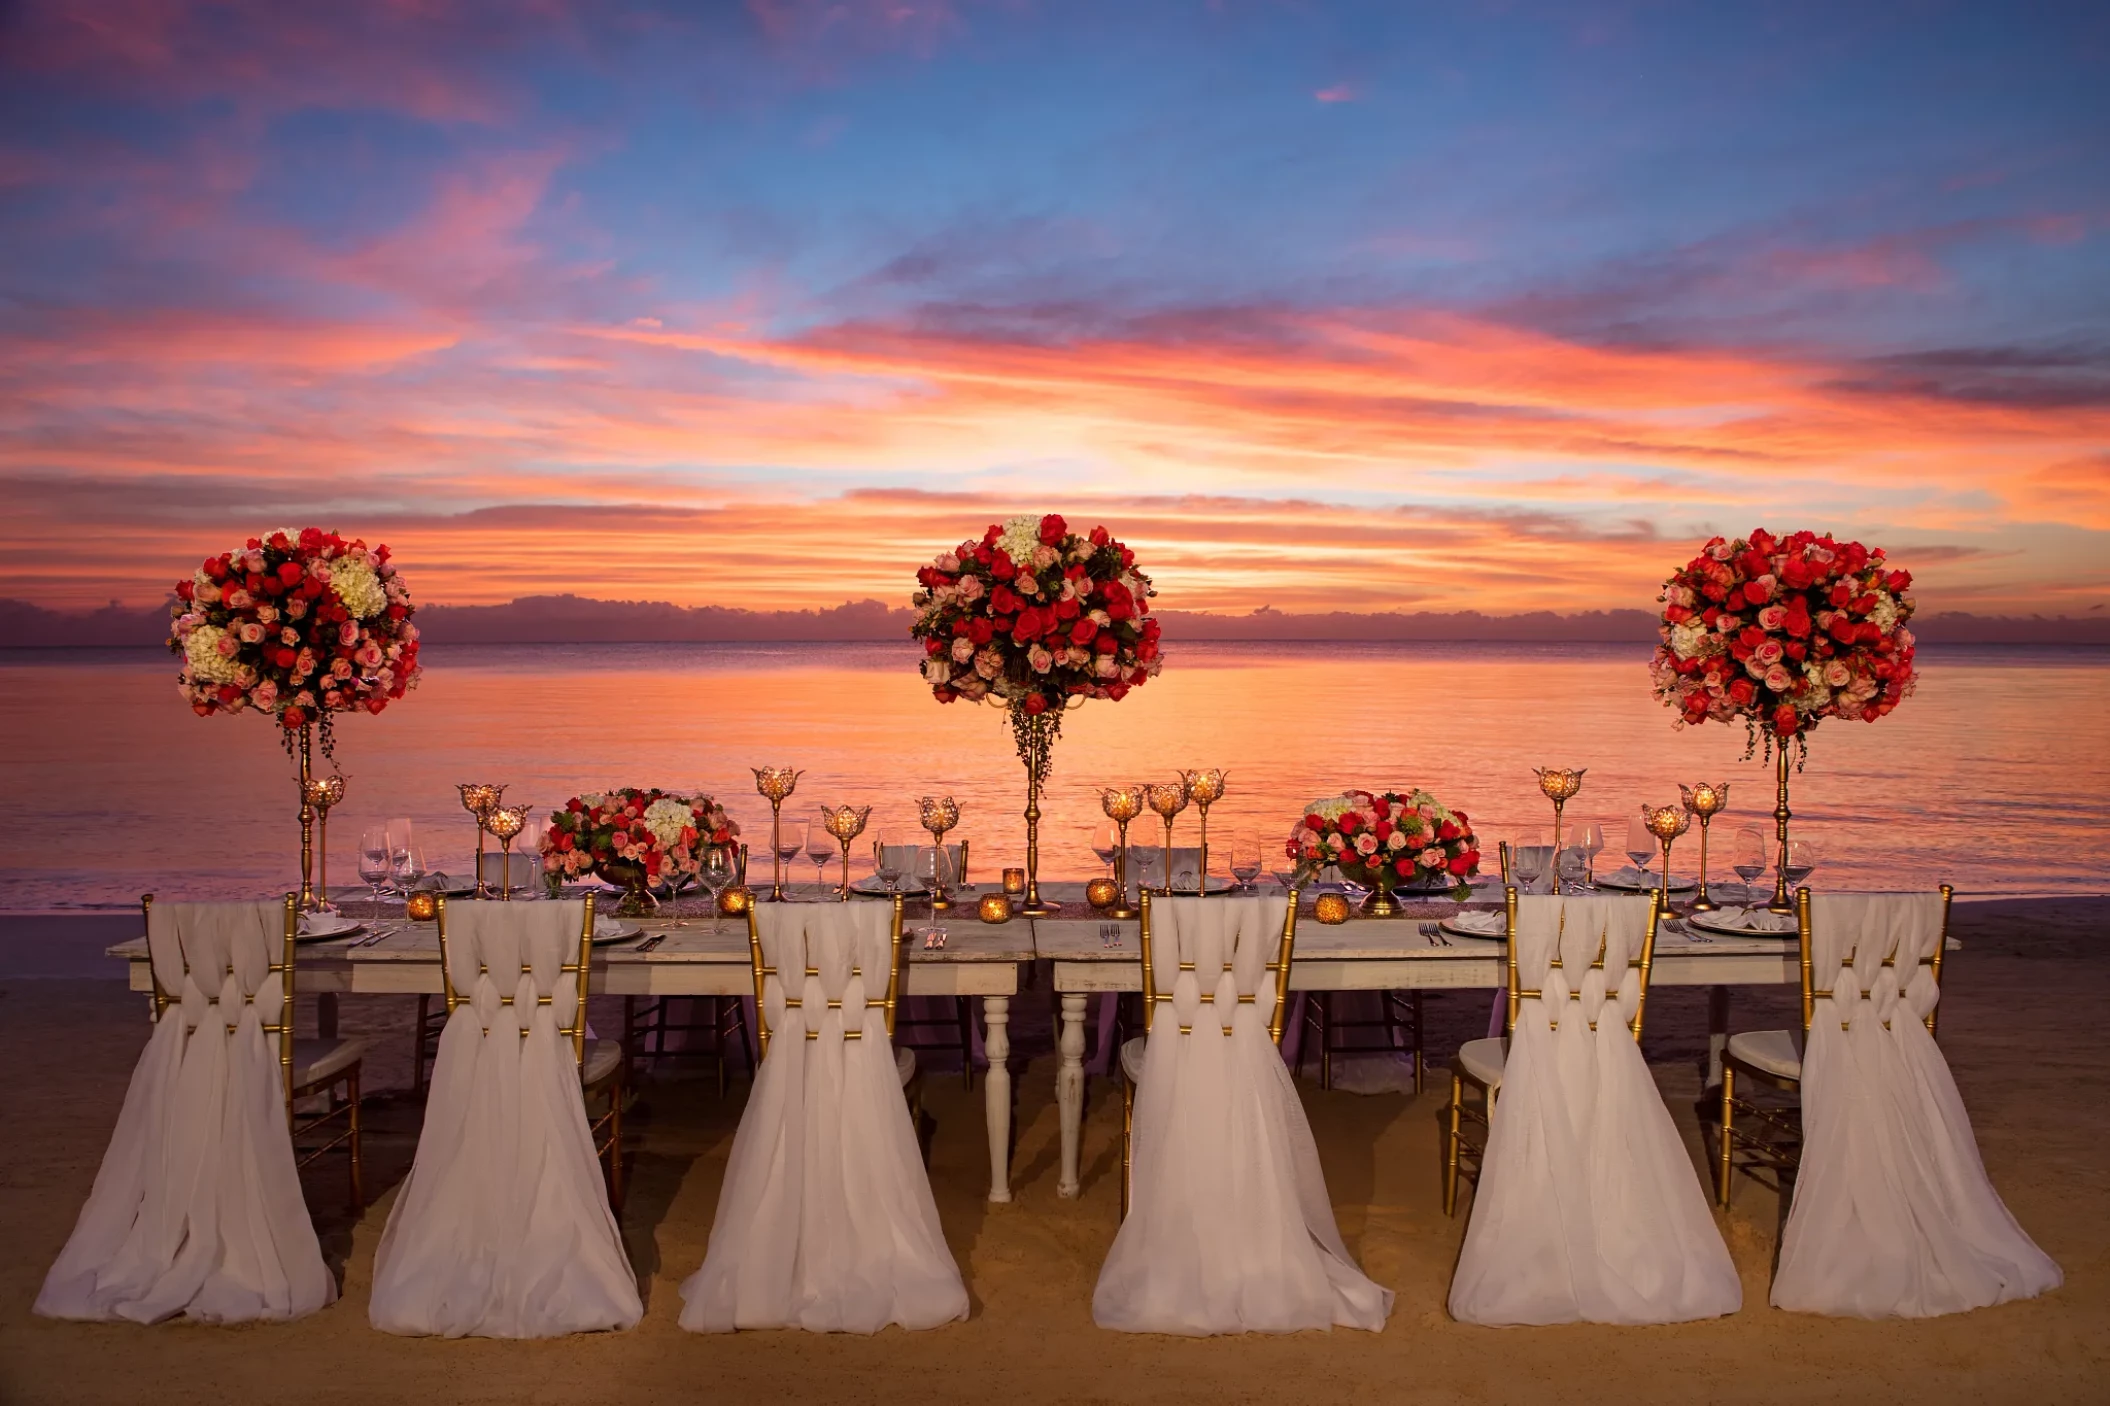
x,y
689,960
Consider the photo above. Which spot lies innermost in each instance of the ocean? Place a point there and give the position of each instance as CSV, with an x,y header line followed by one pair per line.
x,y
1995,776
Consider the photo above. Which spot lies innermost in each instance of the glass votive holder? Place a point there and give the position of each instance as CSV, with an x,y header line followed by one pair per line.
x,y
1101,893
995,908
1014,881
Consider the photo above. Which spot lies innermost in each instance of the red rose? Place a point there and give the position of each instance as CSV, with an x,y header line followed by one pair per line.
x,y
944,694
1461,866
292,717
375,705
1447,831
1082,632
1313,822
1741,692
1785,721
1404,868
1898,581
1066,610
979,631
1100,537
1117,691
933,645
1053,529
1349,823
984,555
1035,705
1003,568
1106,644
183,590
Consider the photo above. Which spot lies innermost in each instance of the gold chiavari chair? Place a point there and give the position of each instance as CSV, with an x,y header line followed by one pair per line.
x,y
308,1068
1761,1129
1478,1063
1132,1051
602,1068
904,1058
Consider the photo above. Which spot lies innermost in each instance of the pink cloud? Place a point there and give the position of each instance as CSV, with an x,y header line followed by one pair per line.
x,y
1338,93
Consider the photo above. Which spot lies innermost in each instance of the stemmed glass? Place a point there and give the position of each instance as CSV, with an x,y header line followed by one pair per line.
x,y
1573,863
1245,860
1641,847
1591,841
400,835
820,848
886,861
1802,858
786,848
716,871
409,866
1750,857
374,864
1150,866
1527,858
1105,839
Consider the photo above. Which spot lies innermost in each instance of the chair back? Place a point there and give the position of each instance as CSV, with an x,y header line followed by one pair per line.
x,y
1217,952
1564,948
212,959
820,968
504,959
1870,953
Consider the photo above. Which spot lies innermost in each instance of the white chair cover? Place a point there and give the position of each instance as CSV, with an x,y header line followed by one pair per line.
x,y
825,1219
1588,1207
197,1208
1893,1215
1230,1229
502,1229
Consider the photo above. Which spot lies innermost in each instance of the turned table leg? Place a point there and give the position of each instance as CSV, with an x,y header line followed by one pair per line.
x,y
996,1093
1069,1088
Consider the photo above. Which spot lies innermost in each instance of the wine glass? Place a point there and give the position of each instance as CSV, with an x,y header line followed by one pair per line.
x,y
1750,858
1641,846
1150,866
1105,839
1802,858
1573,866
787,848
1527,858
407,865
1590,839
886,861
1245,860
374,864
820,848
716,871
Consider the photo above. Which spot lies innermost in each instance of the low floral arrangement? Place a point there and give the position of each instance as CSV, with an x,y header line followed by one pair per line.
x,y
634,838
1783,632
1037,617
1387,840
300,625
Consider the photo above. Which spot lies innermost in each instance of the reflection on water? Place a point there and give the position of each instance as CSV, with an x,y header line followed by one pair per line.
x,y
1993,777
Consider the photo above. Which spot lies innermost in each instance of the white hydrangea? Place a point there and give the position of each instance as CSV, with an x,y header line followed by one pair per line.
x,y
666,818
1885,614
1689,639
1021,535
202,657
358,586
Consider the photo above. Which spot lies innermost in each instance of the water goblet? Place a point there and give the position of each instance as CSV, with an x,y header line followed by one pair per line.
x,y
1105,840
1573,865
716,871
820,848
1591,839
1641,846
1527,858
407,866
1245,860
1802,858
1751,859
887,860
1150,866
375,866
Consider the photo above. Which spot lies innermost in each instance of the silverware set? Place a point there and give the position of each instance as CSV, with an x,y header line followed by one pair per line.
x,y
379,934
1678,927
1434,933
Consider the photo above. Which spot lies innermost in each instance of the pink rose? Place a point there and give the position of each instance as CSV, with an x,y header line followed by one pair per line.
x,y
1772,617
369,655
348,633
1778,679
1837,674
1768,653
970,589
962,650
1366,843
1431,858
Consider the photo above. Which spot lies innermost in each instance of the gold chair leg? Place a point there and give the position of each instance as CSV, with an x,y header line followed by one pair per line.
x,y
1325,1039
1450,1160
1128,1143
1414,1000
616,1090
1723,1172
358,1169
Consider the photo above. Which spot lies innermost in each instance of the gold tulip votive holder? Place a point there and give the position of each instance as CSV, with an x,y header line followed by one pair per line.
x,y
1121,804
846,823
1666,823
1205,787
939,814
1705,800
1559,785
1167,801
775,784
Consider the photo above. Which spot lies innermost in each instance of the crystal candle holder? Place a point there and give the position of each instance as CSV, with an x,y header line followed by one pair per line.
x,y
1121,804
1705,800
846,823
775,784
1559,785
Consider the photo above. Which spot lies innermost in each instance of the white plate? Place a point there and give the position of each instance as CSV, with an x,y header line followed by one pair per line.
x,y
873,888
1700,921
315,928
1501,932
1624,884
605,932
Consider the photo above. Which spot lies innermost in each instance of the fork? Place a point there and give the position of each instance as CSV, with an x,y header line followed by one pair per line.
x,y
1428,933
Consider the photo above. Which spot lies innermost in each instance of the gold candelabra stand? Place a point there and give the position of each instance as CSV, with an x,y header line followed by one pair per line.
x,y
1167,801
1783,901
506,822
306,754
1035,734
938,814
320,793
480,800
1121,804
1666,823
776,783
1559,784
1205,786
1705,800
846,823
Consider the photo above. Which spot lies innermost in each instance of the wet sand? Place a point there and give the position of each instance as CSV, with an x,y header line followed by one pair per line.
x,y
2021,1026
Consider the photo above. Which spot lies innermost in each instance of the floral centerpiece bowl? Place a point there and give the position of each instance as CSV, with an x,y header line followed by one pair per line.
x,y
634,838
1387,840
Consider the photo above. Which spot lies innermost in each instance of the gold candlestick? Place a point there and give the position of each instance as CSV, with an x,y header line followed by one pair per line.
x,y
1666,823
1035,735
1783,901
506,822
306,899
480,800
322,792
1560,785
1121,804
846,823
1167,801
776,783
1704,799
937,815
1204,786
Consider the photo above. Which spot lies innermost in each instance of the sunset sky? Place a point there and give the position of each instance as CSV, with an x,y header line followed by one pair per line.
x,y
1427,306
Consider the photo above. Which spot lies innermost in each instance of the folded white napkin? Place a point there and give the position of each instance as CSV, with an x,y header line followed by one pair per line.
x,y
1482,924
322,924
610,927
1751,919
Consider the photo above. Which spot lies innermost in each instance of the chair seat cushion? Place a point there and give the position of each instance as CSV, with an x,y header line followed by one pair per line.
x,y
1775,1051
1132,1058
1483,1060
599,1061
904,1064
317,1060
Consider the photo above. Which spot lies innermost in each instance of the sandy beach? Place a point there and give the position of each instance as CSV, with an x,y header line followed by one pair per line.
x,y
2021,1027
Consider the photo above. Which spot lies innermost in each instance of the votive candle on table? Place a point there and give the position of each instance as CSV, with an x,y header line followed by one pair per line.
x,y
996,907
1014,881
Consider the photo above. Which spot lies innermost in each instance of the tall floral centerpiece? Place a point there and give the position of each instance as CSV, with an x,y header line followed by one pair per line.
x,y
634,838
1036,619
299,626
1385,840
1781,633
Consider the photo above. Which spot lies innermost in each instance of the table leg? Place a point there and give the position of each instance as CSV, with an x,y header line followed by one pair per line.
x,y
1717,1033
996,1093
326,1015
1069,1089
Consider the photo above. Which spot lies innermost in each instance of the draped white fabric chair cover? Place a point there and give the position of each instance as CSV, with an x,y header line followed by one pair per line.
x,y
825,1219
197,1208
1893,1215
1588,1207
502,1229
1229,1229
